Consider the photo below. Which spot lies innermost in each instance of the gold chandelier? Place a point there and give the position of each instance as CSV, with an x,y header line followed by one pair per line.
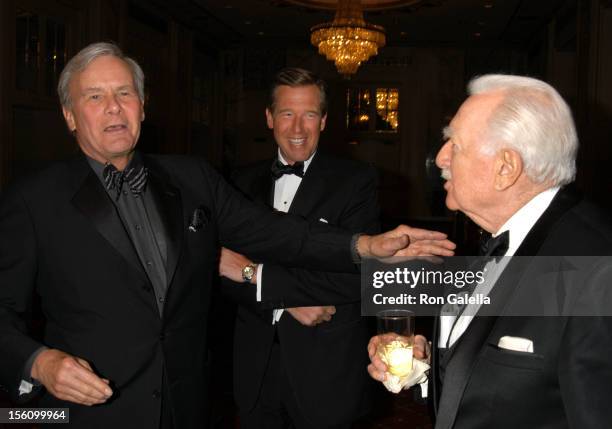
x,y
348,40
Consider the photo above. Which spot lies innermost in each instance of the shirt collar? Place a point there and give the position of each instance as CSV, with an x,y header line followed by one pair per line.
x,y
521,222
306,163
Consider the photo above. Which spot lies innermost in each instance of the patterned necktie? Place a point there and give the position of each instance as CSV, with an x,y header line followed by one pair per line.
x,y
136,178
278,169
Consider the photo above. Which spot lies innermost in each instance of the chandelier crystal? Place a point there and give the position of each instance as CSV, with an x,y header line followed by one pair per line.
x,y
348,40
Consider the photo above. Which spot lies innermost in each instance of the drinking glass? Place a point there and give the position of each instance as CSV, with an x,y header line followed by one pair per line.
x,y
396,331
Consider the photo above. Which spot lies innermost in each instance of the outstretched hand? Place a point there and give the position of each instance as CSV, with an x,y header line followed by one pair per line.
x,y
405,241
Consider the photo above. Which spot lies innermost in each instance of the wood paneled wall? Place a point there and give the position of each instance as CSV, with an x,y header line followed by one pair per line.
x,y
225,121
32,131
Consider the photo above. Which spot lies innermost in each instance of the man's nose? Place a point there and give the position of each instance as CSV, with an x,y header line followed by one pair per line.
x,y
297,125
112,105
443,156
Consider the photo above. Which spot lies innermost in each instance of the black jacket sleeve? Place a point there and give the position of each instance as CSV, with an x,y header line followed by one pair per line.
x,y
18,271
285,287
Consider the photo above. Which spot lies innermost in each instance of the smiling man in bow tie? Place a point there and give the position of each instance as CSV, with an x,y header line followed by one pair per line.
x,y
121,248
298,354
509,157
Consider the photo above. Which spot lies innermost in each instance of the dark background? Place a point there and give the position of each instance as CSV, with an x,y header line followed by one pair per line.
x,y
207,64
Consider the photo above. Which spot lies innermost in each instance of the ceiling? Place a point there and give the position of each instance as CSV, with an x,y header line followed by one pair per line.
x,y
365,4
224,23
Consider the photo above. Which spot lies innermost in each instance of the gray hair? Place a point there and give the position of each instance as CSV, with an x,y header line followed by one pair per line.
x,y
534,120
85,56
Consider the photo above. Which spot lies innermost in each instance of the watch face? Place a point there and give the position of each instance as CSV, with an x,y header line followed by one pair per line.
x,y
247,273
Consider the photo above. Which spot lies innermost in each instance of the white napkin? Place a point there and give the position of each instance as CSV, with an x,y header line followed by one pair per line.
x,y
395,384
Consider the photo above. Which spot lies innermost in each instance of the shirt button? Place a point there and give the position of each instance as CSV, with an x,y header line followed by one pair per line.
x,y
124,192
149,264
156,394
138,227
161,299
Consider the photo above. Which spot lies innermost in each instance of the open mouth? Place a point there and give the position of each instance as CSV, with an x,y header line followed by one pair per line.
x,y
115,128
297,142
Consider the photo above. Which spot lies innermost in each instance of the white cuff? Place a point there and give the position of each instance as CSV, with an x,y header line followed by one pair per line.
x,y
276,315
259,276
25,387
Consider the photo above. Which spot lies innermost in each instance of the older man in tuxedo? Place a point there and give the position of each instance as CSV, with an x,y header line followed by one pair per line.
x,y
120,247
509,157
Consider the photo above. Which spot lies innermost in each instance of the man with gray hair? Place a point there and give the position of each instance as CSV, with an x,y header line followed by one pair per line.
x,y
121,247
510,152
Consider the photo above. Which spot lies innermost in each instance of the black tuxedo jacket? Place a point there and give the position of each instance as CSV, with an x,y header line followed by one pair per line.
x,y
567,381
325,364
62,238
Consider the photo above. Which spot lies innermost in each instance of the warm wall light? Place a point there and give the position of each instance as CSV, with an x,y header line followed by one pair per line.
x,y
348,40
387,108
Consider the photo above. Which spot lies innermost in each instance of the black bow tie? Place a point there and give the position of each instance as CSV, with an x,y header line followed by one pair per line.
x,y
495,247
136,178
278,169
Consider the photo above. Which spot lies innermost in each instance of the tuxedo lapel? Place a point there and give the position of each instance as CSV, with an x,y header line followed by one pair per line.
x,y
168,202
259,186
565,199
434,380
462,355
311,188
92,200
264,191
459,368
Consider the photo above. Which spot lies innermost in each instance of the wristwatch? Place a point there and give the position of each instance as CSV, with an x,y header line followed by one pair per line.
x,y
248,272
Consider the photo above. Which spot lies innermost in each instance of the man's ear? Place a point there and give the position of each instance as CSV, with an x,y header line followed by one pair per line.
x,y
269,119
508,169
323,122
69,117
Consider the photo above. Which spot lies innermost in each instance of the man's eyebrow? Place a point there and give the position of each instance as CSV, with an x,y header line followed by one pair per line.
x,y
98,89
92,89
447,132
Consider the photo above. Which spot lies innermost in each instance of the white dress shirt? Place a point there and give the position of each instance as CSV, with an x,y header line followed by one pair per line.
x,y
518,226
285,189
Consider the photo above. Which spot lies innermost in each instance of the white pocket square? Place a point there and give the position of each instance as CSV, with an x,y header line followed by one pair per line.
x,y
323,220
516,344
